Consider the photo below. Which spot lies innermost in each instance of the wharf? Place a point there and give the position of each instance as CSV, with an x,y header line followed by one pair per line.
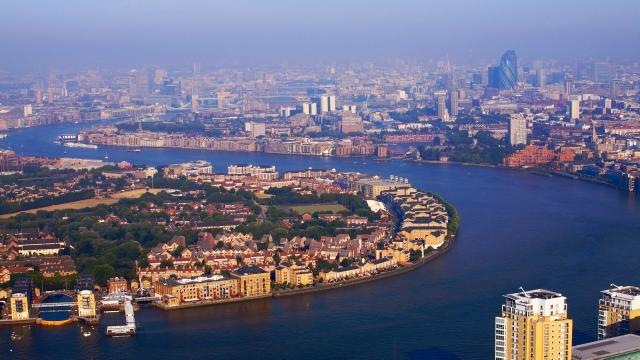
x,y
8,322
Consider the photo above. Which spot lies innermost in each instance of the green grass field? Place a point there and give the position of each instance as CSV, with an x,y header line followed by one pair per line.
x,y
87,203
311,208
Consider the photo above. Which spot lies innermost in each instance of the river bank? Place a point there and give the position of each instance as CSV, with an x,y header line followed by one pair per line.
x,y
423,314
432,254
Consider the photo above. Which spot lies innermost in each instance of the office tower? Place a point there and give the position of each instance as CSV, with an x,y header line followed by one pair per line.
x,y
614,89
324,104
533,325
222,98
541,78
568,87
37,93
159,75
504,76
573,108
332,103
195,102
170,88
441,105
485,75
584,71
138,83
619,311
453,102
602,73
27,110
310,108
518,130
606,106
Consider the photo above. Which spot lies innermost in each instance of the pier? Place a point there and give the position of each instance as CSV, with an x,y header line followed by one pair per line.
x,y
130,322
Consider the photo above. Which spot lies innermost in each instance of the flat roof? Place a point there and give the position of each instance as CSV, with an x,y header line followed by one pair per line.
x,y
534,294
194,280
608,348
249,270
626,290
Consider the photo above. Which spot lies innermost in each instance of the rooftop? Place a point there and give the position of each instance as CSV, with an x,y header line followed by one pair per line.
x,y
625,290
608,348
534,294
249,270
193,280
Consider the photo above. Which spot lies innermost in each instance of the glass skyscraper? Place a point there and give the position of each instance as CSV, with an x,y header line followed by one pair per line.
x,y
504,76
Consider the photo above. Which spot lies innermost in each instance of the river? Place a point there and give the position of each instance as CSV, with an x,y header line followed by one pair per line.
x,y
517,229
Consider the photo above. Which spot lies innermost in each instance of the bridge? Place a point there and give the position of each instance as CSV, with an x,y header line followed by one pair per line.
x,y
48,294
51,305
148,298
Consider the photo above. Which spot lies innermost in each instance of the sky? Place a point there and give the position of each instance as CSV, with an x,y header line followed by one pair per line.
x,y
70,34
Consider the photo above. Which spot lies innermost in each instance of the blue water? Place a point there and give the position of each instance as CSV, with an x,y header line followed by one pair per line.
x,y
518,229
57,313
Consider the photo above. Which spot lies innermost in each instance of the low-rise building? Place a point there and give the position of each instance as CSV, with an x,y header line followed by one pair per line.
x,y
19,304
253,281
621,347
86,304
117,285
294,274
202,288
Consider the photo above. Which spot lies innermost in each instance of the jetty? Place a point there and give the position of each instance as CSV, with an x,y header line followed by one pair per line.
x,y
129,328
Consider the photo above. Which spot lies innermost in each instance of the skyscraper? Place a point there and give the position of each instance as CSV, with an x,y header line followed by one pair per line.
x,y
619,311
441,105
573,108
309,108
602,73
606,106
541,78
504,76
614,89
324,104
568,87
332,103
518,130
138,83
533,325
453,102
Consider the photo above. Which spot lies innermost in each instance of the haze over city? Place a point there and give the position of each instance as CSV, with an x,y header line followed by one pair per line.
x,y
286,179
76,34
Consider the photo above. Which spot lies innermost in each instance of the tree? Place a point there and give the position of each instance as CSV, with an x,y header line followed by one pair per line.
x,y
103,272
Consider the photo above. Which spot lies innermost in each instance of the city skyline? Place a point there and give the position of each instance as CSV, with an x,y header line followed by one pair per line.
x,y
213,169
76,35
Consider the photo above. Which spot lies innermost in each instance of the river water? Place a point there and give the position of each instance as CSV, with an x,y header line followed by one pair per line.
x,y
518,229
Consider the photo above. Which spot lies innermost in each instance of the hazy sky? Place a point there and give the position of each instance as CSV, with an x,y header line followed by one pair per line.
x,y
36,34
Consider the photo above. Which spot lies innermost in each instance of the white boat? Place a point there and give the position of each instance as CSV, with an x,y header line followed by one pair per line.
x,y
80,145
86,333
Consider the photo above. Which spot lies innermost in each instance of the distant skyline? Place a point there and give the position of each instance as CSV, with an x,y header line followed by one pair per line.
x,y
75,34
